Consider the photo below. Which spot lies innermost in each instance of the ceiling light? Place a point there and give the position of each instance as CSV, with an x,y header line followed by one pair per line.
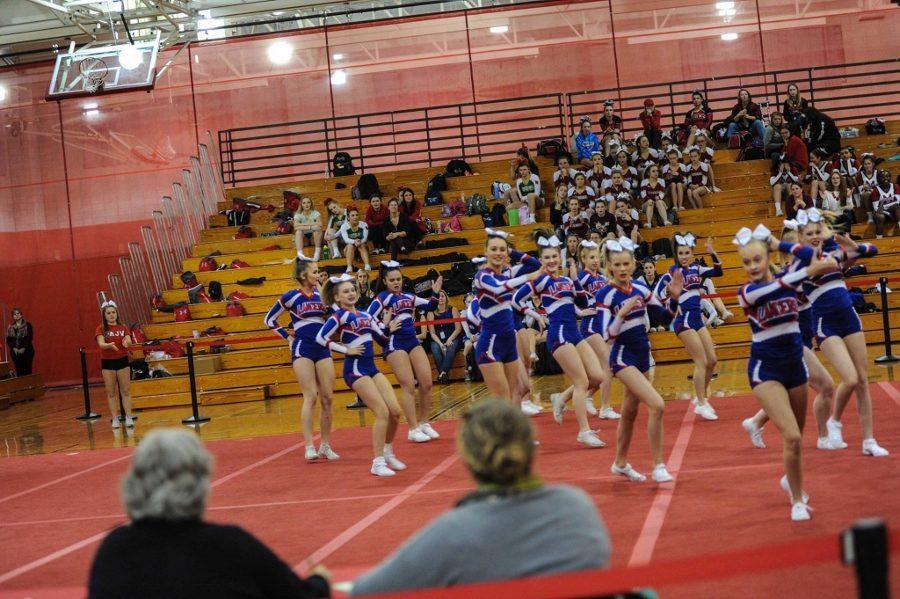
x,y
339,77
499,29
337,57
130,57
280,52
729,37
2,92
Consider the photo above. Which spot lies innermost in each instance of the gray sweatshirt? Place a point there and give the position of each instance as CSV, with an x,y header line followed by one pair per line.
x,y
549,530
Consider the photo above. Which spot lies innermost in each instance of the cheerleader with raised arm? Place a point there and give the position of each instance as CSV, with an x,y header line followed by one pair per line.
x,y
819,378
625,303
690,327
558,295
312,363
356,330
776,368
403,351
495,351
837,327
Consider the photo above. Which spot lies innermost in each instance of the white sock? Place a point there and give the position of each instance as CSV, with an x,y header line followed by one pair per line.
x,y
388,448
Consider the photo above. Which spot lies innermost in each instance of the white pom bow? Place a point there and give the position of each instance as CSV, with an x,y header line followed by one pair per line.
x,y
390,264
553,242
804,217
479,260
107,304
792,225
622,244
496,233
687,240
589,244
344,278
745,235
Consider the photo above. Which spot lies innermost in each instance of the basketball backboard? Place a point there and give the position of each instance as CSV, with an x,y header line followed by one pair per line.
x,y
103,70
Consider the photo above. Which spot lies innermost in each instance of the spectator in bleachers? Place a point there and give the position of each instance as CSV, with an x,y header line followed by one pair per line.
x,y
773,144
707,153
649,278
526,190
412,208
629,173
627,221
796,200
885,202
603,222
698,118
644,156
364,290
848,165
835,197
512,526
819,171
697,178
337,215
399,233
794,149
308,227
570,251
575,222
565,174
582,192
559,206
445,338
653,197
667,146
651,122
355,235
610,126
168,550
794,105
20,341
618,189
822,132
781,180
376,214
470,336
866,181
673,174
523,156
746,116
597,173
585,143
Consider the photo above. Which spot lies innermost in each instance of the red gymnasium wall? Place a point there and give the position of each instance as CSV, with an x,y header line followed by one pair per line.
x,y
78,178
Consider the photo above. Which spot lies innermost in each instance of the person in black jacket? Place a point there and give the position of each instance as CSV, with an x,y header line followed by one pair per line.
x,y
746,115
20,341
169,552
822,131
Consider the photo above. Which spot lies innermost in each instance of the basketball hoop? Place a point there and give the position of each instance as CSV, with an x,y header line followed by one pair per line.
x,y
94,72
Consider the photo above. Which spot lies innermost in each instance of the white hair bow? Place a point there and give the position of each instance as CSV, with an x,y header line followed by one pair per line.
x,y
479,260
390,264
589,244
690,149
496,233
107,304
804,217
553,242
745,235
344,278
622,244
687,240
792,224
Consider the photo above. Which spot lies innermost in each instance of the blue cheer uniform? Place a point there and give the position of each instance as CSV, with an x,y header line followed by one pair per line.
x,y
558,297
690,314
403,306
307,314
355,329
592,321
631,346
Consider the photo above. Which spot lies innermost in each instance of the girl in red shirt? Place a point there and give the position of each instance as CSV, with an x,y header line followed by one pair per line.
x,y
113,338
698,118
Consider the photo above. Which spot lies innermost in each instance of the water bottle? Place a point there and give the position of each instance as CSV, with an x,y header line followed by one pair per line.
x,y
326,253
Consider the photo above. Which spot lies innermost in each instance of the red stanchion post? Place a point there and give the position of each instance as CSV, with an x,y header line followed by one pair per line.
x,y
88,414
195,417
886,323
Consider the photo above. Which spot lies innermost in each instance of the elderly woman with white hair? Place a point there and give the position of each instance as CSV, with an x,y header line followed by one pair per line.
x,y
168,551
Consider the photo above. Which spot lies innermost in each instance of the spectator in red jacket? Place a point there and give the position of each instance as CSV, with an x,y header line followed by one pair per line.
x,y
698,118
746,116
376,214
650,120
413,211
795,150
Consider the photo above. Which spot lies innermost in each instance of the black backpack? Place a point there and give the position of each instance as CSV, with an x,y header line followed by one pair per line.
x,y
875,126
215,291
342,165
551,148
438,183
237,218
457,168
458,280
140,370
365,188
663,247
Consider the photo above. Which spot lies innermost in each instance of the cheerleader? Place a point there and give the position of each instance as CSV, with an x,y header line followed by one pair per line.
x,y
838,328
356,330
781,181
673,174
629,357
866,182
776,350
885,202
558,295
525,342
114,338
819,171
819,378
697,177
312,363
653,193
495,351
403,351
689,324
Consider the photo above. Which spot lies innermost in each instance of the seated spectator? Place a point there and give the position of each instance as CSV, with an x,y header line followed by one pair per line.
x,y
598,173
169,551
581,191
697,178
821,132
667,146
781,179
307,227
355,235
794,106
565,174
337,214
364,290
835,197
650,121
796,200
526,190
773,144
376,214
715,309
794,149
413,211
629,173
885,202
848,165
673,175
569,254
575,221
595,235
627,222
617,190
866,182
399,233
653,196
819,171
610,126
746,116
603,222
698,118
643,156
585,143
707,154
470,336
512,526
523,156
445,338
559,206
649,278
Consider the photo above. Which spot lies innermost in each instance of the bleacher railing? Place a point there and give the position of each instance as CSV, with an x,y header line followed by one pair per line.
x,y
433,135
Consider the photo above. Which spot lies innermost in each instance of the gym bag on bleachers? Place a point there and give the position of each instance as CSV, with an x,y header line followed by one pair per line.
x,y
342,165
365,188
875,126
551,148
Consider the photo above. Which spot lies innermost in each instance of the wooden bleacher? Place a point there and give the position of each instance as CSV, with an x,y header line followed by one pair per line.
x,y
261,369
20,388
